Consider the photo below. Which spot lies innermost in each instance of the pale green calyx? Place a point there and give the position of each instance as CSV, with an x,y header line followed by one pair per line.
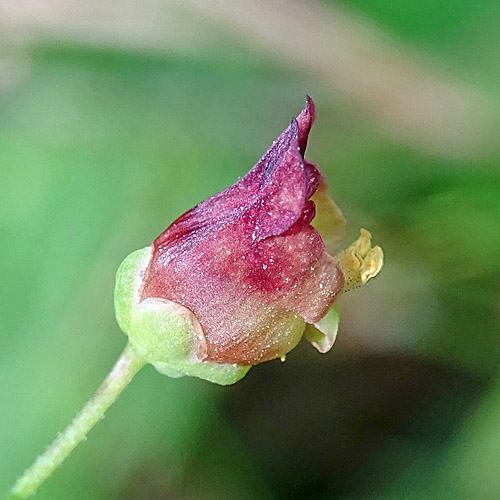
x,y
164,333
322,334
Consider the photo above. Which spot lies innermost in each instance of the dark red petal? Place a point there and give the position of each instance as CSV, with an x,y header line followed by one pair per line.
x,y
280,162
237,287
314,178
281,199
305,121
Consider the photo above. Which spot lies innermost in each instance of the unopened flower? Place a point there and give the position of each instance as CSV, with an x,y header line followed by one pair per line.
x,y
239,278
235,281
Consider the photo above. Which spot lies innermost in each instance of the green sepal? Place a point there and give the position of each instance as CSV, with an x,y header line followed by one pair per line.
x,y
218,373
322,334
128,279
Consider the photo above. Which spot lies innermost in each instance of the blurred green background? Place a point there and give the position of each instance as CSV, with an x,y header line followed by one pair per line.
x,y
116,117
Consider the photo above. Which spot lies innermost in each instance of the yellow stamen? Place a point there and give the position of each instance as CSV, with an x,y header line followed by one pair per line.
x,y
360,262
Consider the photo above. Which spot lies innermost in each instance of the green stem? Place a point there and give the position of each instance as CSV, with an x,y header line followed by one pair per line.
x,y
128,364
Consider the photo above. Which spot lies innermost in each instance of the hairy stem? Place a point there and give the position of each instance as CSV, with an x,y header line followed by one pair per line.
x,y
128,364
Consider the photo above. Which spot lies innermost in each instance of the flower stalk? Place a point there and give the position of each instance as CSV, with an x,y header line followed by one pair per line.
x,y
128,364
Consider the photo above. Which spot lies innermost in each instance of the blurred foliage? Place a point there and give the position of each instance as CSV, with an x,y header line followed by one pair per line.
x,y
423,21
101,149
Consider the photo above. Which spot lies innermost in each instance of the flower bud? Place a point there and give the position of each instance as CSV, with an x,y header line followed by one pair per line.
x,y
236,280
